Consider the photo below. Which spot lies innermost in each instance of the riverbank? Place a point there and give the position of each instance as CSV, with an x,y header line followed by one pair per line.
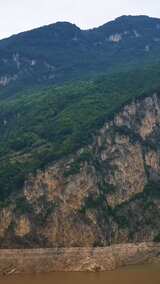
x,y
143,274
77,259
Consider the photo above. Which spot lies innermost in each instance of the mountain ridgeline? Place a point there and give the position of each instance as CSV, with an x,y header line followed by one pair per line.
x,y
63,52
80,135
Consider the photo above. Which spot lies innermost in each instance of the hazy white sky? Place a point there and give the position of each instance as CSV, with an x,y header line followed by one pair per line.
x,y
21,15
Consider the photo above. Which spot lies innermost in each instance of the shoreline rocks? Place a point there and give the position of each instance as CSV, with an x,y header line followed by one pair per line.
x,y
77,259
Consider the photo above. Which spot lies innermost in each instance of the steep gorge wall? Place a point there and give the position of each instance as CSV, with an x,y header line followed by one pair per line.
x,y
106,193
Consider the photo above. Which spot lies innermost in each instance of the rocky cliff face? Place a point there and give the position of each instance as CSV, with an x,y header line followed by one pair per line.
x,y
106,193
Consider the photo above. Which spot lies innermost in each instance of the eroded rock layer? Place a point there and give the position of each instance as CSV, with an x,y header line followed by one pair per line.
x,y
77,259
106,193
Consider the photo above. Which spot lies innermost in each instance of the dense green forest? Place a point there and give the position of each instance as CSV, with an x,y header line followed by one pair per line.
x,y
38,127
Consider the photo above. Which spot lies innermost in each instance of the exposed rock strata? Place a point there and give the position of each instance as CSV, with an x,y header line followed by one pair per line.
x,y
77,259
105,193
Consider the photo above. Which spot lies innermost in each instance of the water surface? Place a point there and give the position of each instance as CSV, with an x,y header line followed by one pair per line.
x,y
141,274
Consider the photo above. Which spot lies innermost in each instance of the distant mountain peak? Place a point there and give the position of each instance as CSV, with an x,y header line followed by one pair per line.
x,y
133,17
65,25
60,52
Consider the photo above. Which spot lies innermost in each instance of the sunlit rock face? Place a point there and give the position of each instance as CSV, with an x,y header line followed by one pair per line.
x,y
6,80
115,38
105,193
23,226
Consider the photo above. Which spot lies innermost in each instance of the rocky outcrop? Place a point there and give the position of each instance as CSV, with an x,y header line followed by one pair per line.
x,y
5,80
125,169
106,193
5,220
23,226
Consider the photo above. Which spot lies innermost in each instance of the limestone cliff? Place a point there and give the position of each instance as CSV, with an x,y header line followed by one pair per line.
x,y
106,193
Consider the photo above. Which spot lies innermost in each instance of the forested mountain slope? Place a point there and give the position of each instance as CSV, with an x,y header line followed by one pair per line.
x,y
62,52
84,172
80,161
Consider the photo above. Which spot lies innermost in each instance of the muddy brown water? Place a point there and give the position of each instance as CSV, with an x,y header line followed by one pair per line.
x,y
141,274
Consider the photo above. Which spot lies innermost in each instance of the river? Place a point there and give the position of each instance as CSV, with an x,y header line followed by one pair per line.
x,y
141,274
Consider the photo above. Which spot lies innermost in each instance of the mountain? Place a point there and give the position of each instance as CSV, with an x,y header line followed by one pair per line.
x,y
80,161
62,52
